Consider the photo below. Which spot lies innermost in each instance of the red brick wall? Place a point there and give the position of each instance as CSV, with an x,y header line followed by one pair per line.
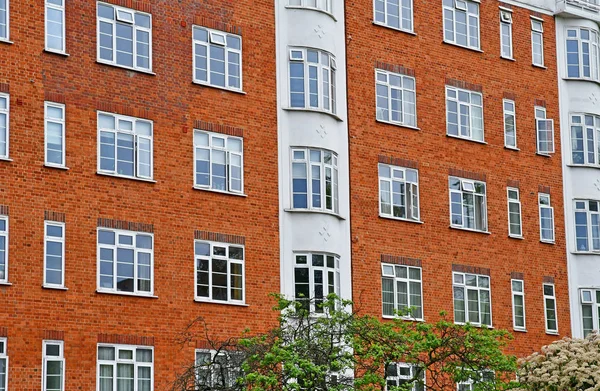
x,y
170,205
434,243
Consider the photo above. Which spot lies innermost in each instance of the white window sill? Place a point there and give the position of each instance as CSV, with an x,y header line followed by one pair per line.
x,y
543,154
5,283
512,148
508,58
583,165
597,253
400,219
50,51
466,139
319,211
411,32
519,330
200,83
143,296
6,41
581,79
470,230
541,67
516,237
397,124
57,167
548,241
58,288
5,159
552,332
208,301
309,110
146,71
475,325
312,9
219,191
408,318
462,46
125,177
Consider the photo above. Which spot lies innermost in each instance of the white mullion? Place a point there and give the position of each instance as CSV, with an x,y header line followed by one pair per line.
x,y
226,60
114,48
208,45
210,283
134,51
402,108
116,134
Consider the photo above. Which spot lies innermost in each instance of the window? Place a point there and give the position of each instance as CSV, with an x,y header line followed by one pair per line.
x,y
484,376
54,254
518,303
395,98
316,275
217,58
461,23
125,368
125,146
590,310
55,26
218,371
125,261
550,309
124,37
398,192
397,14
506,48
219,272
4,122
3,365
587,225
464,112
472,301
546,218
219,162
53,362
397,374
510,124
3,249
544,131
582,54
315,180
402,290
312,71
323,5
537,42
514,213
55,134
468,205
585,139
4,20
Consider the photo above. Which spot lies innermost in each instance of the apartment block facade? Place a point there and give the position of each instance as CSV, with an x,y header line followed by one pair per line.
x,y
162,162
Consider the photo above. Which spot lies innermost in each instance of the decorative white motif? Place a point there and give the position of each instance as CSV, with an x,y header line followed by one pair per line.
x,y
319,30
594,99
597,184
324,232
322,131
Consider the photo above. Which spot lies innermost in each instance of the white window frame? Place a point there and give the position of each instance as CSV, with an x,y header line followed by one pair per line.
x,y
4,356
233,375
541,125
230,262
509,113
46,358
521,294
542,206
5,234
516,201
584,206
330,69
54,239
400,377
593,53
506,20
546,308
465,184
136,28
594,303
403,24
229,154
320,5
469,105
471,383
7,38
403,91
411,192
212,40
323,167
117,361
325,270
61,122
136,250
457,7
456,284
537,31
6,112
590,134
388,274
61,9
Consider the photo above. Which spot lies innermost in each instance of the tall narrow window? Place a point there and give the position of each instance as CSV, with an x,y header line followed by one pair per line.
x,y
3,365
583,54
546,218
217,58
124,37
544,131
4,124
396,102
397,14
312,80
510,124
55,25
315,180
55,134
590,310
4,20
398,374
219,272
472,300
468,205
3,248
518,302
537,42
587,225
514,213
219,162
316,275
125,368
506,47
125,146
53,362
464,114
461,23
54,255
398,192
550,309
585,139
218,370
402,290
